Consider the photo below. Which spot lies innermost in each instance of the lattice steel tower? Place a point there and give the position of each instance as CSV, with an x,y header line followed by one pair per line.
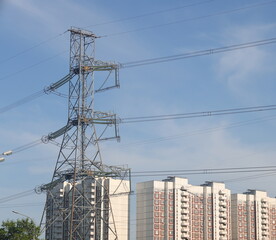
x,y
83,189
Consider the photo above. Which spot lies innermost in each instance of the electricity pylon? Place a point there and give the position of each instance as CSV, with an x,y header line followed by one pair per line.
x,y
78,205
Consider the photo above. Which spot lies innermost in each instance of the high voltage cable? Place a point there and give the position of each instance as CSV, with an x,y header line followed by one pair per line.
x,y
31,48
27,146
33,65
180,116
16,196
198,53
22,205
198,114
192,19
22,101
244,178
149,14
205,171
200,131
146,62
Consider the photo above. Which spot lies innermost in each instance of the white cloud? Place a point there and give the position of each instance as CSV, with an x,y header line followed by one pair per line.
x,y
242,70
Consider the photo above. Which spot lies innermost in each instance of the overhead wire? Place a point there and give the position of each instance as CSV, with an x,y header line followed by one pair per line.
x,y
200,131
175,172
197,114
244,178
198,53
204,171
32,66
22,101
149,14
22,205
181,116
147,62
17,196
192,19
26,146
32,47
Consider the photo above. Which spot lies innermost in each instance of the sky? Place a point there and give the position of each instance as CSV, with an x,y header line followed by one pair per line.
x,y
35,53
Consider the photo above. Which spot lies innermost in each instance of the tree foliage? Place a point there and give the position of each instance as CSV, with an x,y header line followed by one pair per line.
x,y
21,229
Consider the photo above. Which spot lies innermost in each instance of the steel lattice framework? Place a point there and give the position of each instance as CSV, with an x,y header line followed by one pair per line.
x,y
74,212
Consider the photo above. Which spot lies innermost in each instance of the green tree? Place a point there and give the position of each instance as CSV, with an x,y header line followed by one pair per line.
x,y
21,229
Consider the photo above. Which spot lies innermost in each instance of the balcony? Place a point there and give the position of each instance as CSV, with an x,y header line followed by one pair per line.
x,y
184,200
185,211
222,204
264,216
184,218
222,210
184,235
184,230
184,194
264,228
264,222
223,221
184,224
222,192
184,205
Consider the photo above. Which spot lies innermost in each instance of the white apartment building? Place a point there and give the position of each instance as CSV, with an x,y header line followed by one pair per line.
x,y
107,212
173,209
253,216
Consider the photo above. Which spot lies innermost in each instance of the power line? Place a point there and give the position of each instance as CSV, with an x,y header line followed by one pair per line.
x,y
206,170
179,116
32,66
192,19
198,114
22,205
31,48
200,131
16,196
27,146
144,62
150,14
198,53
244,178
271,169
268,169
22,101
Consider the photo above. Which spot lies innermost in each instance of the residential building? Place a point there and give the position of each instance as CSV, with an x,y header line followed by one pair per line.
x,y
173,209
253,216
106,210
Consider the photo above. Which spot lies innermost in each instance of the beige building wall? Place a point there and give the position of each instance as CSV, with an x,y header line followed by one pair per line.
x,y
253,216
110,199
174,209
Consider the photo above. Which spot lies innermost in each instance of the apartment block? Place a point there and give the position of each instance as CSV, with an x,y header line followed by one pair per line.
x,y
253,216
173,209
106,211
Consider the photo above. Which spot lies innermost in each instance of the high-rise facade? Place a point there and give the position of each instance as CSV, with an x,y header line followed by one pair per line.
x,y
109,219
253,216
173,209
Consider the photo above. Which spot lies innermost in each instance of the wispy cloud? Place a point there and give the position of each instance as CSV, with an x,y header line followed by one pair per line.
x,y
242,70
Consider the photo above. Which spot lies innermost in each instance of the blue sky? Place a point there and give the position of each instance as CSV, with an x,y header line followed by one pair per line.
x,y
220,81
